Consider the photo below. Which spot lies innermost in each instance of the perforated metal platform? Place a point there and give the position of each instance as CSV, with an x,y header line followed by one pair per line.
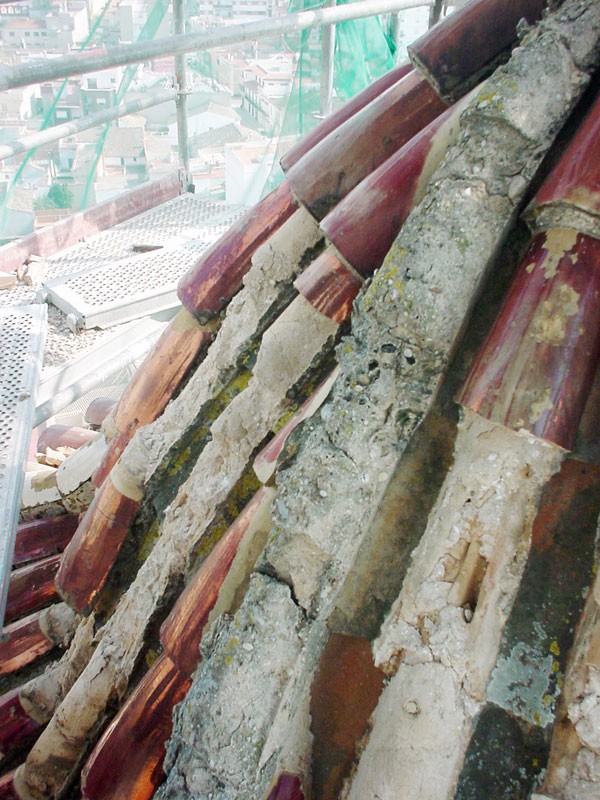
x,y
112,289
22,332
64,385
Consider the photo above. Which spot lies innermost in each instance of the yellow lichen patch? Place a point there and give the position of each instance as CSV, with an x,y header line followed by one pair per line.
x,y
210,412
241,493
398,254
245,488
461,241
151,658
550,323
555,648
547,700
238,384
539,407
227,655
207,543
487,97
394,274
184,320
285,418
558,242
148,541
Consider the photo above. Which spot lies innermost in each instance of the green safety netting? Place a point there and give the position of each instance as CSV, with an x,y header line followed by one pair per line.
x,y
364,51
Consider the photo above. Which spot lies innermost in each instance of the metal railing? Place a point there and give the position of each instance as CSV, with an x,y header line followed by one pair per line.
x,y
42,70
106,57
54,134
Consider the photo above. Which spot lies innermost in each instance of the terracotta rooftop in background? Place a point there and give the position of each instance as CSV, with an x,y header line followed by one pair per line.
x,y
343,517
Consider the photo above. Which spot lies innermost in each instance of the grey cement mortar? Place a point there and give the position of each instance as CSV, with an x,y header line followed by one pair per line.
x,y
405,327
285,355
59,622
488,500
574,771
486,506
265,294
418,714
202,764
409,319
561,215
40,696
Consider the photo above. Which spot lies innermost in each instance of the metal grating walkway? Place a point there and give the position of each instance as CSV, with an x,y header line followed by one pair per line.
x,y
80,377
23,331
111,289
155,228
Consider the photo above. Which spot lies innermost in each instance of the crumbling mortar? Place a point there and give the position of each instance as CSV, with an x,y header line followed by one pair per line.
x,y
177,465
387,305
340,449
427,628
266,292
269,571
161,441
219,646
107,674
584,57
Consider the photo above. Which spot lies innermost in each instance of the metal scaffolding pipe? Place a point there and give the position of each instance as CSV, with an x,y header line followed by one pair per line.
x,y
181,101
327,53
395,33
84,123
44,70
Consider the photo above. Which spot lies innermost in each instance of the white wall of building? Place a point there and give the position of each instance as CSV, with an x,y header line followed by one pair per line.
x,y
105,80
201,122
230,9
247,168
412,23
